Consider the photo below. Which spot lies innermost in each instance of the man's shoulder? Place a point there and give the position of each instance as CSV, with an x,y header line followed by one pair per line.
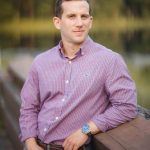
x,y
46,55
105,52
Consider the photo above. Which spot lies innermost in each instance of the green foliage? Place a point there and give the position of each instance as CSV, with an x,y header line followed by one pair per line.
x,y
6,10
137,8
107,8
101,8
44,9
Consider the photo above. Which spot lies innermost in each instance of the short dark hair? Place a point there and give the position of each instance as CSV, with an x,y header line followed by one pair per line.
x,y
59,10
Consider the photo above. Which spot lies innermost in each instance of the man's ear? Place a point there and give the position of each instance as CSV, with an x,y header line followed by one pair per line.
x,y
56,21
91,18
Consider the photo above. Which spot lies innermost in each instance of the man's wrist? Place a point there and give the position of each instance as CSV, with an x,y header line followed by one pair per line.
x,y
30,141
86,130
93,128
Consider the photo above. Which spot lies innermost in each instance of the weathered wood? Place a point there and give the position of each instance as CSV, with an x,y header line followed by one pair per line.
x,y
11,126
9,106
144,112
11,96
134,135
18,69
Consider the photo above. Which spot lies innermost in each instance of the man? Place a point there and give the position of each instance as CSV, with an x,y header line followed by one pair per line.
x,y
76,89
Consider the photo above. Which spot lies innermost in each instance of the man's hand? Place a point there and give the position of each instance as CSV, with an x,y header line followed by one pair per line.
x,y
75,140
32,145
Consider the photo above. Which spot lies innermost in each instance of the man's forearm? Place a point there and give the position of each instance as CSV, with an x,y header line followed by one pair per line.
x,y
93,128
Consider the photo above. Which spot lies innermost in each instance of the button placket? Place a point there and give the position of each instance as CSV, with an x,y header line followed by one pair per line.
x,y
45,129
63,100
56,118
67,81
70,62
68,76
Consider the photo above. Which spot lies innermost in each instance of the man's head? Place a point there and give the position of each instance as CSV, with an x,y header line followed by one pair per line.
x,y
59,9
73,20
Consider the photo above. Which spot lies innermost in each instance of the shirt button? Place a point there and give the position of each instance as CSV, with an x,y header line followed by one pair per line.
x,y
56,118
67,81
45,129
63,100
70,62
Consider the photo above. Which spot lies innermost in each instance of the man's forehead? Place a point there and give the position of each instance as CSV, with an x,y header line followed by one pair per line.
x,y
73,0
72,5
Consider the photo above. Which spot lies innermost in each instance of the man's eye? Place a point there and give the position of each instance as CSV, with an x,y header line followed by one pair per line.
x,y
71,16
85,16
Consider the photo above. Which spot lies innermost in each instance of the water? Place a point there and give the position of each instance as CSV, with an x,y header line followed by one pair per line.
x,y
134,46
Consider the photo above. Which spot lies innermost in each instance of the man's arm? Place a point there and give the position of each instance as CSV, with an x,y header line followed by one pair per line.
x,y
77,139
29,106
121,92
123,104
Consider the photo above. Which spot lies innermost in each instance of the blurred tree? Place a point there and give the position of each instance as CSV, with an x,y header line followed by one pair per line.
x,y
6,10
44,9
107,8
26,8
101,8
16,6
136,8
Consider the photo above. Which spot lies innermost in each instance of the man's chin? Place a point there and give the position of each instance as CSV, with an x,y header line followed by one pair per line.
x,y
79,40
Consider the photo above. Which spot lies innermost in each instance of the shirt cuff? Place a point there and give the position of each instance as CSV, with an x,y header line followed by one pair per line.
x,y
100,123
26,136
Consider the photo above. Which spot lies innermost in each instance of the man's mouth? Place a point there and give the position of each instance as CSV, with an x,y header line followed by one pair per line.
x,y
79,31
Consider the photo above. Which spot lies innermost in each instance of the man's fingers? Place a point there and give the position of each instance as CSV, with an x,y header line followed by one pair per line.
x,y
75,147
68,144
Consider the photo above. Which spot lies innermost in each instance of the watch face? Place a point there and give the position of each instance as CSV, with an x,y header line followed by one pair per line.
x,y
85,128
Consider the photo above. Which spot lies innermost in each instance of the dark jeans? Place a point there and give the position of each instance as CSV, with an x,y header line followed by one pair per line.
x,y
89,147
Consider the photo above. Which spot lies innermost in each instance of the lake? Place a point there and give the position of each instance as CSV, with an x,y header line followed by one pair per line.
x,y
133,45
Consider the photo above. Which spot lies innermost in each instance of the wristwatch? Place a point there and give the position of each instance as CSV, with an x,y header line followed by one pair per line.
x,y
86,130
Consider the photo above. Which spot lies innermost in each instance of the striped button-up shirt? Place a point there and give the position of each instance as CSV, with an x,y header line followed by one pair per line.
x,y
60,95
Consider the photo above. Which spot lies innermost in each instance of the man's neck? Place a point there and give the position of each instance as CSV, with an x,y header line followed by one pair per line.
x,y
70,49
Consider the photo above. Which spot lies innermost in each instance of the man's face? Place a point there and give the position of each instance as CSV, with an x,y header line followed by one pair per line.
x,y
75,21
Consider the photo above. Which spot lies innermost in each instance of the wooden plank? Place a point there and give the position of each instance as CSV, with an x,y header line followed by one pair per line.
x,y
133,135
142,124
9,106
107,142
18,71
11,126
130,137
12,99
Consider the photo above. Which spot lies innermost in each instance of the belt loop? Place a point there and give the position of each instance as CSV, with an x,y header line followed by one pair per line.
x,y
48,147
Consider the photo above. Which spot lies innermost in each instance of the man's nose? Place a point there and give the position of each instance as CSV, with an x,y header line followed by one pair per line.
x,y
79,21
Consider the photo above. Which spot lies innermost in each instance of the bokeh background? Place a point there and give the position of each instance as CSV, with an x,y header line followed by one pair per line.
x,y
122,25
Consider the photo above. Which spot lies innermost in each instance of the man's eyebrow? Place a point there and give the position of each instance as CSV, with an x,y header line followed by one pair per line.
x,y
71,14
85,14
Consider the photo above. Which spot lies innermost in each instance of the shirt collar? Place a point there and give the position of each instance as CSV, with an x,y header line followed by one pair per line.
x,y
83,49
86,45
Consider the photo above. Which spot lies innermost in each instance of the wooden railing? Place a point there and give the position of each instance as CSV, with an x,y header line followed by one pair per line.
x,y
133,135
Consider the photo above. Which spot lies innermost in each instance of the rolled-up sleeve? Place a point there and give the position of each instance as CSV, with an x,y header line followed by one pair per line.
x,y
121,93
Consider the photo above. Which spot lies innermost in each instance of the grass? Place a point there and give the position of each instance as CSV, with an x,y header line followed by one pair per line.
x,y
142,81
44,26
26,26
